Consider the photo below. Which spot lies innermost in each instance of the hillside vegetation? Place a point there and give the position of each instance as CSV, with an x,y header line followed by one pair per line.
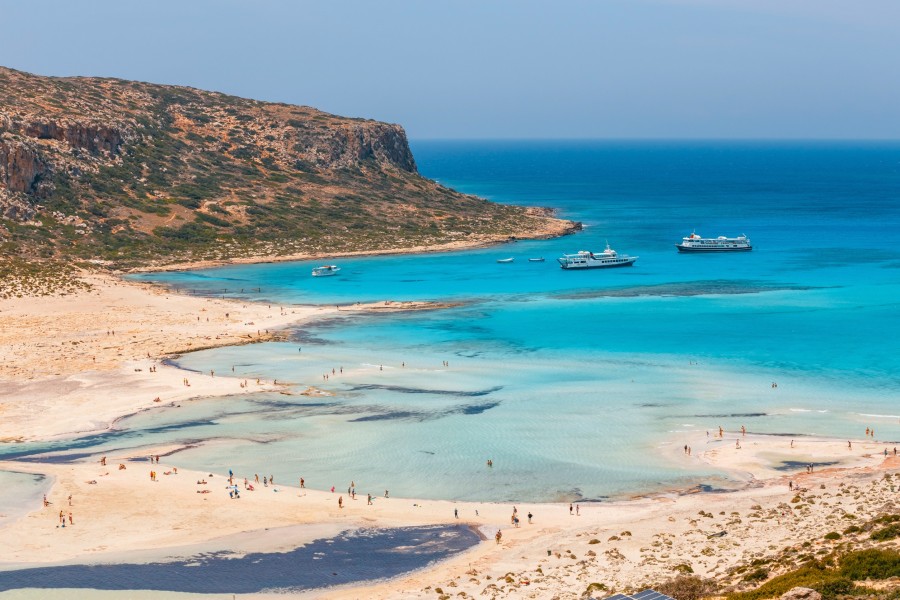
x,y
129,174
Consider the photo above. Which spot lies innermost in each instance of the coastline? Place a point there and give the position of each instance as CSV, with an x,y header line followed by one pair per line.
x,y
633,541
64,354
125,514
555,228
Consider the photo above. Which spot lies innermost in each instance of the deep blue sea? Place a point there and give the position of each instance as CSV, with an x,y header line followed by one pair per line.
x,y
578,385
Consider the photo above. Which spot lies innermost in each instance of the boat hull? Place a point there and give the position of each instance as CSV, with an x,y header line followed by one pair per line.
x,y
625,263
697,250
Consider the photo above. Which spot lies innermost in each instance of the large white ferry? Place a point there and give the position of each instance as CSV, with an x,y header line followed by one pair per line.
x,y
695,243
596,260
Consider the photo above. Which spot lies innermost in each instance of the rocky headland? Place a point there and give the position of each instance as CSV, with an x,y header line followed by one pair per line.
x,y
107,172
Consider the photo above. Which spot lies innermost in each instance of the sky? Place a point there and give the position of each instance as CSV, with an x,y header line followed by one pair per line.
x,y
773,69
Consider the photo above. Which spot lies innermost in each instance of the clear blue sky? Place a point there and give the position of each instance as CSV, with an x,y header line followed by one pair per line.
x,y
501,69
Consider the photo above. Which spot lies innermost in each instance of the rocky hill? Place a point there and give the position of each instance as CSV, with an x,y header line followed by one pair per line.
x,y
135,174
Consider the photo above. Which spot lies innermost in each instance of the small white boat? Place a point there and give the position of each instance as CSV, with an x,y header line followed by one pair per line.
x,y
541,259
505,260
325,271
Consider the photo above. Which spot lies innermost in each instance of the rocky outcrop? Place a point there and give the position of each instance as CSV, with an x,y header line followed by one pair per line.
x,y
93,137
20,165
351,146
16,207
801,593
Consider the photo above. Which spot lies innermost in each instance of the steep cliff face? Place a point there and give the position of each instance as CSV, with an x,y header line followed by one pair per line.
x,y
129,171
93,137
377,142
20,165
20,171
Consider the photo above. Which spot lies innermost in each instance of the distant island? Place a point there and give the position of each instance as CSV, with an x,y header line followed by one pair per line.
x,y
127,174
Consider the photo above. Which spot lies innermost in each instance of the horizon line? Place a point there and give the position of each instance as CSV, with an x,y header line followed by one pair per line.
x,y
655,139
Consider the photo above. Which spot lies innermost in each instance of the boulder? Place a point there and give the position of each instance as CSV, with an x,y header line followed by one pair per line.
x,y
801,593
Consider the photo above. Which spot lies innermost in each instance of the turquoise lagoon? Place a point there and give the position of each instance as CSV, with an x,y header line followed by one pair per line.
x,y
578,385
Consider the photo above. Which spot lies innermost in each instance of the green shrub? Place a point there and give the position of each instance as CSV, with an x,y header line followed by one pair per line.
x,y
595,587
886,533
886,519
687,587
832,535
756,575
871,564
836,587
212,219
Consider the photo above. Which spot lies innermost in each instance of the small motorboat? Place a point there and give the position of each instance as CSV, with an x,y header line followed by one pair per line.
x,y
505,260
541,259
325,271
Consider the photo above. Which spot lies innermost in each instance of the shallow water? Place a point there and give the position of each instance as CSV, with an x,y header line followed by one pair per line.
x,y
21,493
353,556
571,381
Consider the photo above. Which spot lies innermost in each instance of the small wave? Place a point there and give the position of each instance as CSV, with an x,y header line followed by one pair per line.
x,y
874,416
732,415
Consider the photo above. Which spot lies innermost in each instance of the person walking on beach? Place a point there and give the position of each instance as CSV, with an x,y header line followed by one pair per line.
x,y
577,510
499,536
302,483
455,513
529,517
340,502
570,509
369,499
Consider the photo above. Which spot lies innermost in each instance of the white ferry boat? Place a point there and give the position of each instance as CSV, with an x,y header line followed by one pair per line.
x,y
695,243
595,260
325,271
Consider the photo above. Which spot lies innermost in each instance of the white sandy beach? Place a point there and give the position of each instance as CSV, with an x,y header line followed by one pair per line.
x,y
65,375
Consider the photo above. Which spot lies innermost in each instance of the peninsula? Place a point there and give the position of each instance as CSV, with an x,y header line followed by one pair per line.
x,y
122,174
